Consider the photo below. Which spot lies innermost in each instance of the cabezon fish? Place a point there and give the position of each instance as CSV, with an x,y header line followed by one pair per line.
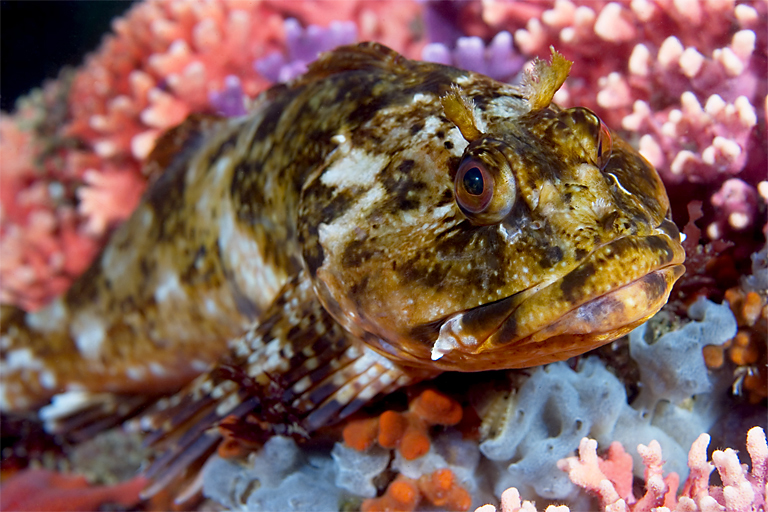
x,y
374,222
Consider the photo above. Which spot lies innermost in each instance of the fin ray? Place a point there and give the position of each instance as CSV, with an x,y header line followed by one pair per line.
x,y
296,371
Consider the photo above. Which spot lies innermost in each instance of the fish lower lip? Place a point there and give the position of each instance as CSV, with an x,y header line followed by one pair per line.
x,y
614,289
597,321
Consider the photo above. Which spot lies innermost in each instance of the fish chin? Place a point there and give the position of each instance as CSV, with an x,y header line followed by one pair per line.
x,y
614,289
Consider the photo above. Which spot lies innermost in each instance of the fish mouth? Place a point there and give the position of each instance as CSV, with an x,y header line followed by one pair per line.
x,y
613,290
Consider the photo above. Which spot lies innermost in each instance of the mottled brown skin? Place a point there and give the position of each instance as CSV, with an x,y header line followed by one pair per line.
x,y
317,250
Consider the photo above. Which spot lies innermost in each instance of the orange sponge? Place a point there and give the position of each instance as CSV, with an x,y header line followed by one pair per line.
x,y
407,431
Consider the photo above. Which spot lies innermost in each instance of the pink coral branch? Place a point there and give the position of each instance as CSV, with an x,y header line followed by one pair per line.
x,y
741,491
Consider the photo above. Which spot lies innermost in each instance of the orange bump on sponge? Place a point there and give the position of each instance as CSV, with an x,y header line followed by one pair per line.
x,y
405,494
407,431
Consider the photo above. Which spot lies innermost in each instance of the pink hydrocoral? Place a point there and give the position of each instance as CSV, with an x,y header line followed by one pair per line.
x,y
741,491
72,159
42,245
686,80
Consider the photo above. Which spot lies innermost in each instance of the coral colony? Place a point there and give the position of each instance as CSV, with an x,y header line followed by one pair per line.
x,y
624,428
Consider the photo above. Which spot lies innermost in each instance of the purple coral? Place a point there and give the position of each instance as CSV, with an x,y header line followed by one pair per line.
x,y
497,60
229,101
303,46
441,20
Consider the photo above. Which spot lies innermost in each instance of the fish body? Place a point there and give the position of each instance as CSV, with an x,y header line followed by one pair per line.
x,y
372,223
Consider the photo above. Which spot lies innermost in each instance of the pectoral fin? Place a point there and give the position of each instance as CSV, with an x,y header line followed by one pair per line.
x,y
295,370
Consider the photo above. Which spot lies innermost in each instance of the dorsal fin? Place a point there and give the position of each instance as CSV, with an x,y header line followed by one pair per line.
x,y
296,370
357,57
177,143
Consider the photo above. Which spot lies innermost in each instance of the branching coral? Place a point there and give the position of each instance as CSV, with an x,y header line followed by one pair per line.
x,y
497,59
741,491
685,80
600,476
303,46
76,149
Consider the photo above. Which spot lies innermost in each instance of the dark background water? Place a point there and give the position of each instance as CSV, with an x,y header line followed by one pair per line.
x,y
38,38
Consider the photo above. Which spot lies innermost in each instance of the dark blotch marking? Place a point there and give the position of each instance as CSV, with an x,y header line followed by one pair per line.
x,y
573,284
660,247
427,272
426,333
480,318
446,197
508,330
552,256
228,144
85,289
608,221
359,288
406,166
453,166
355,254
399,184
417,127
581,254
166,195
273,113
244,304
314,256
246,189
336,207
448,144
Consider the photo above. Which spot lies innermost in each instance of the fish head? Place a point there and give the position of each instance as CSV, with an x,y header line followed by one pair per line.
x,y
509,238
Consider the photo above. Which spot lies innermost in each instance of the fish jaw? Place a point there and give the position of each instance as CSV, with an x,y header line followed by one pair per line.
x,y
612,291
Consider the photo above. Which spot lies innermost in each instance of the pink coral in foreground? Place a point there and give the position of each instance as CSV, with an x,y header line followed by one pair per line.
x,y
741,491
610,480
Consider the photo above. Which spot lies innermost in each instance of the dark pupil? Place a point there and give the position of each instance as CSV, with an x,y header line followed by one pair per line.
x,y
473,181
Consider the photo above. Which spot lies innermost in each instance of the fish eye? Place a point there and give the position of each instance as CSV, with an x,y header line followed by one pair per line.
x,y
604,145
474,186
485,187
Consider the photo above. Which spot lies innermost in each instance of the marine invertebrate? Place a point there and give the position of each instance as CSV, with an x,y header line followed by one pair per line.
x,y
687,80
164,61
511,502
303,46
741,491
40,489
278,477
438,488
557,406
497,60
408,431
747,350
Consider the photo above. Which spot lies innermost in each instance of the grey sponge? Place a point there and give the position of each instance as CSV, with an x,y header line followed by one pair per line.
x,y
672,368
553,410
